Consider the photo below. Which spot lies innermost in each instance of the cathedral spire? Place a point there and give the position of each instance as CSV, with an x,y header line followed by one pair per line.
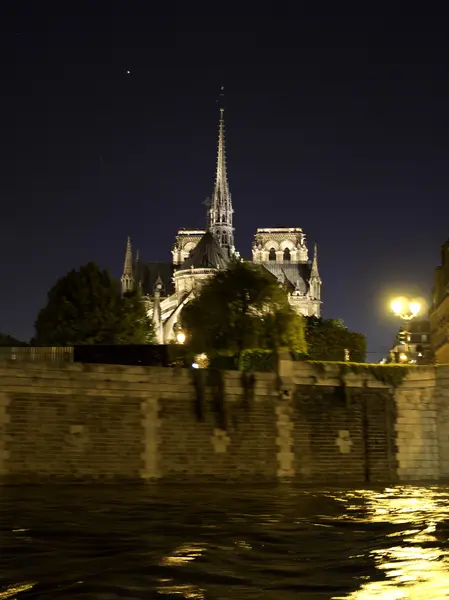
x,y
128,275
314,270
315,279
220,211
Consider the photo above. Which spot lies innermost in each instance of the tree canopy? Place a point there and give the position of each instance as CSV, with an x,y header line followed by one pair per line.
x,y
327,339
86,307
242,308
8,340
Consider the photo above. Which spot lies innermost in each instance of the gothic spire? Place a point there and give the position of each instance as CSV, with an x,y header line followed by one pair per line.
x,y
128,275
314,270
128,266
220,211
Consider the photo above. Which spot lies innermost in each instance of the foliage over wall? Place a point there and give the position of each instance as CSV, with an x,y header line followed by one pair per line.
x,y
391,375
240,309
327,340
258,361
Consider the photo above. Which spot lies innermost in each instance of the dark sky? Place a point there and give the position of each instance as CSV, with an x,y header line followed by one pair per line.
x,y
336,124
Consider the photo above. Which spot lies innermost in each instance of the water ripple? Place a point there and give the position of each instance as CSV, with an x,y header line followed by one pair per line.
x,y
276,543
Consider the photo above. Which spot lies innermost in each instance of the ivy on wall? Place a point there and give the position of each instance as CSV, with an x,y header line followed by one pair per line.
x,y
248,383
216,382
257,360
391,375
212,378
198,384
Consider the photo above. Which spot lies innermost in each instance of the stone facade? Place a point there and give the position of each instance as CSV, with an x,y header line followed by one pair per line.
x,y
417,428
186,242
112,423
439,312
441,410
283,251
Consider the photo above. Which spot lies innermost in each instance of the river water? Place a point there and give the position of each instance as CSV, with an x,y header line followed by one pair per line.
x,y
266,542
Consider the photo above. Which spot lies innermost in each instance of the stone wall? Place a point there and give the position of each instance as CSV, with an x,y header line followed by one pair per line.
x,y
442,410
106,422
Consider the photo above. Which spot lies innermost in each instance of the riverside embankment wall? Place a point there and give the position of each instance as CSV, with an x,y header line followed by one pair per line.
x,y
83,423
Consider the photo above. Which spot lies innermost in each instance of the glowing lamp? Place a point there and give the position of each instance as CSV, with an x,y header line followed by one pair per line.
x,y
403,357
414,307
180,337
396,306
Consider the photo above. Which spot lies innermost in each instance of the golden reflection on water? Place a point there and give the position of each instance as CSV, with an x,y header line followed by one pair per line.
x,y
13,591
181,556
183,590
416,568
184,554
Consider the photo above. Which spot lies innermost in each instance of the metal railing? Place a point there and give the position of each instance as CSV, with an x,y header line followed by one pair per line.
x,y
54,354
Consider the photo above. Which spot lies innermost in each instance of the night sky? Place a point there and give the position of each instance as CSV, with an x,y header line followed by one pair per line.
x,y
336,124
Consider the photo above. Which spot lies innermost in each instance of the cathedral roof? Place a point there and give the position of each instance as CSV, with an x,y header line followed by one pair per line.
x,y
148,274
207,254
293,275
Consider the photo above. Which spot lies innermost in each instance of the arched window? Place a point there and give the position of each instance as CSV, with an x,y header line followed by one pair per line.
x,y
286,255
272,254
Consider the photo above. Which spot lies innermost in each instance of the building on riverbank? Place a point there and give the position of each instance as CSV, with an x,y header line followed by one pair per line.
x,y
439,313
198,253
414,344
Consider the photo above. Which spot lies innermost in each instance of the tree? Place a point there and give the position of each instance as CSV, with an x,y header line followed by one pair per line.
x,y
86,307
327,339
136,327
242,308
7,340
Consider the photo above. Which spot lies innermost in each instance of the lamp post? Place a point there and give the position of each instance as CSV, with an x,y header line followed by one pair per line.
x,y
180,337
406,310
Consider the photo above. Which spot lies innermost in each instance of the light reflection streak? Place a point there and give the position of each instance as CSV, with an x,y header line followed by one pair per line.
x,y
411,568
12,591
185,590
181,556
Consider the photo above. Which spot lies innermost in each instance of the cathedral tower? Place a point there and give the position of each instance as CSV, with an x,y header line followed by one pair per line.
x,y
219,214
283,251
127,278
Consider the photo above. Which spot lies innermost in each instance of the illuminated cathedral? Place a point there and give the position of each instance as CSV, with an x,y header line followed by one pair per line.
x,y
199,253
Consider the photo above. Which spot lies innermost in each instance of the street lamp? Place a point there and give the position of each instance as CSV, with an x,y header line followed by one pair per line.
x,y
406,310
180,337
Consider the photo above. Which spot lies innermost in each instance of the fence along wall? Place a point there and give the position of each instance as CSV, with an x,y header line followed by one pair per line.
x,y
49,354
78,422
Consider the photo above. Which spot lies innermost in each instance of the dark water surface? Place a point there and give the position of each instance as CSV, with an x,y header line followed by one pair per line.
x,y
215,542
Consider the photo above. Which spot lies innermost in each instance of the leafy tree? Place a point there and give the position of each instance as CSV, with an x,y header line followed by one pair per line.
x,y
8,340
86,307
135,326
327,339
242,308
